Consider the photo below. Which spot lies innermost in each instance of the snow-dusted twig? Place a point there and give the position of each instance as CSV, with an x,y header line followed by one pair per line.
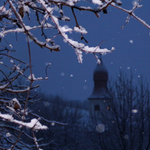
x,y
16,91
2,54
17,130
131,13
22,30
48,121
33,124
35,141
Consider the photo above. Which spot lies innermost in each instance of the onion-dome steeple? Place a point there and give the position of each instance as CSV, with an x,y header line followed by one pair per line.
x,y
100,72
100,77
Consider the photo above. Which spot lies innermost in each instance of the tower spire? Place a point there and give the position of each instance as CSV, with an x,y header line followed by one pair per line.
x,y
100,78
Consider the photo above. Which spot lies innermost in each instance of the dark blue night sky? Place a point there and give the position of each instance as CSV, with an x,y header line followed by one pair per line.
x,y
72,80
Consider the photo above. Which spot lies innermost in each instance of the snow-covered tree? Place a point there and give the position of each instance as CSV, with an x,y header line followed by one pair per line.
x,y
35,20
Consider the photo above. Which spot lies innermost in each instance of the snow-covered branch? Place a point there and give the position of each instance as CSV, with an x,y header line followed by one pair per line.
x,y
33,124
136,5
49,121
22,30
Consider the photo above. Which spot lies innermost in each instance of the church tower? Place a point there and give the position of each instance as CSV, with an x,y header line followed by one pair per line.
x,y
100,100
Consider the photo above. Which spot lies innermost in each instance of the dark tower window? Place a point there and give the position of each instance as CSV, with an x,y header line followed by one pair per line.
x,y
96,108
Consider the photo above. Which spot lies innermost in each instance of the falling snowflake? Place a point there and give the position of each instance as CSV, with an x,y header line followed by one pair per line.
x,y
46,104
53,123
85,87
131,41
62,74
100,128
134,110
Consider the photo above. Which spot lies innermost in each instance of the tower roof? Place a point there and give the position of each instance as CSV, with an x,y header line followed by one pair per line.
x,y
100,72
100,77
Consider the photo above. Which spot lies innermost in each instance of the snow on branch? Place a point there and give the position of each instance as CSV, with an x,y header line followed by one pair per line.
x,y
49,121
16,129
33,124
75,44
27,28
78,46
80,29
33,78
3,87
43,7
22,30
44,44
98,2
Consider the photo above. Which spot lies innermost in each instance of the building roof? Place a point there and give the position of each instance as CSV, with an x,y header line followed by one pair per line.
x,y
100,72
100,77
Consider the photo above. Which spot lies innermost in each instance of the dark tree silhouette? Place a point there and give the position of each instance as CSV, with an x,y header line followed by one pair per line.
x,y
127,122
